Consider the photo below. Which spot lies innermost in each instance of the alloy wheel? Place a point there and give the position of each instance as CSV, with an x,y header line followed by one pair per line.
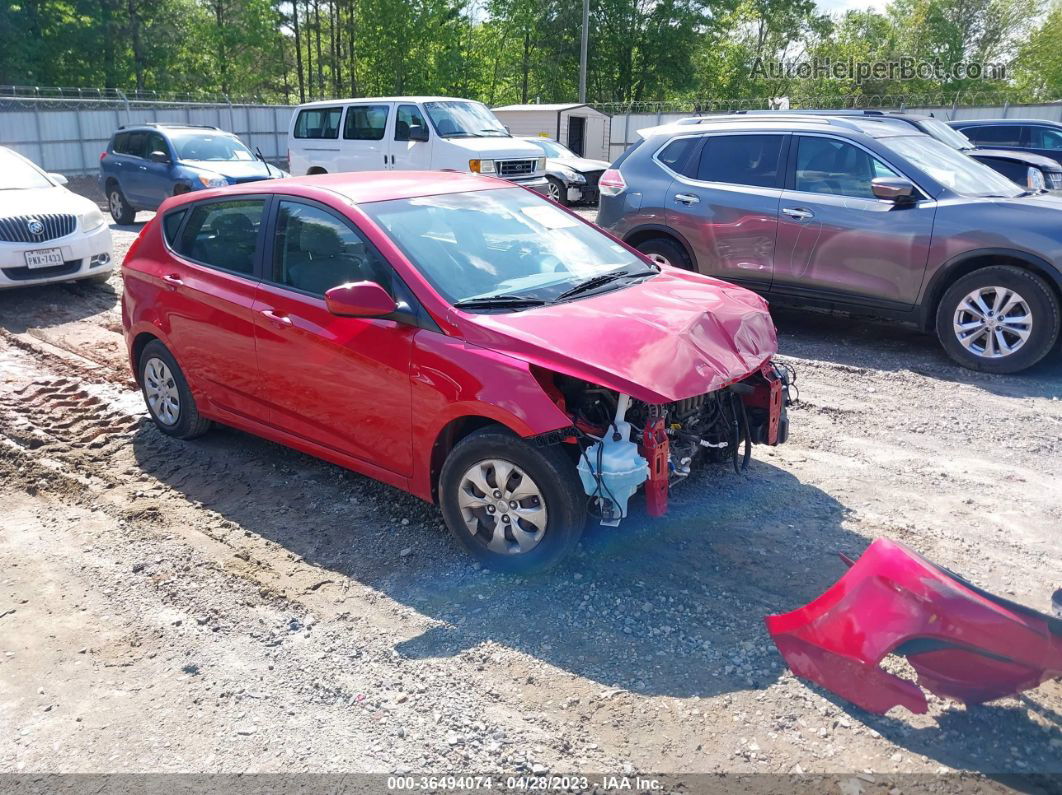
x,y
115,201
160,389
554,191
502,507
659,259
992,322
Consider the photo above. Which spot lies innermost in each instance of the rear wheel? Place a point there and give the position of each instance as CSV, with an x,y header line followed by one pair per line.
x,y
557,191
121,211
166,393
998,319
664,251
513,506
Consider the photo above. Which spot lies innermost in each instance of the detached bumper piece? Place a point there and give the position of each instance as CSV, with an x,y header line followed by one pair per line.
x,y
964,643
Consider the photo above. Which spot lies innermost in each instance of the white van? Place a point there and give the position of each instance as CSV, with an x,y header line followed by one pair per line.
x,y
409,133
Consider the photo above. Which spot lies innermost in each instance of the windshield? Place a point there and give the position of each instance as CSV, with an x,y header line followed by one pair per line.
x,y
499,242
205,146
19,174
464,119
552,148
958,172
946,134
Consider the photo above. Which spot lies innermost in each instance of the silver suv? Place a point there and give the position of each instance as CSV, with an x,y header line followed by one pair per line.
x,y
862,215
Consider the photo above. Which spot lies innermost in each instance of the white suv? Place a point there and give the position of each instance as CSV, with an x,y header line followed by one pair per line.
x,y
410,134
47,233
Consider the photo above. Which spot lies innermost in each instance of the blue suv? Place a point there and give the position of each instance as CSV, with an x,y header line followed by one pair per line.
x,y
145,164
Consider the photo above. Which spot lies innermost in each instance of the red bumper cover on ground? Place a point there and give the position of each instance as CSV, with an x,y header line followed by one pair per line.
x,y
963,642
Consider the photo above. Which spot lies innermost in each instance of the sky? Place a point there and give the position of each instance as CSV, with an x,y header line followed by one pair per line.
x,y
847,5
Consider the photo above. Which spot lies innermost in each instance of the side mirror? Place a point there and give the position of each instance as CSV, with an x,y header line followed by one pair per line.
x,y
894,189
418,132
359,299
159,156
58,179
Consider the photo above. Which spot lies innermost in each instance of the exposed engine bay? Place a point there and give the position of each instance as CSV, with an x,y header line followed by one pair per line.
x,y
624,443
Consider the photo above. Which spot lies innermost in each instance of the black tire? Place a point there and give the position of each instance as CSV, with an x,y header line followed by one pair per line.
x,y
558,484
558,191
663,250
1043,308
188,423
121,210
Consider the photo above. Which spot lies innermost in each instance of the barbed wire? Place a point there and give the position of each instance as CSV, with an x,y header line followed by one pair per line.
x,y
14,97
827,102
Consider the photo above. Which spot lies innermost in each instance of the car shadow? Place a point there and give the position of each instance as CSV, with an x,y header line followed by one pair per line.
x,y
672,606
47,305
856,341
665,607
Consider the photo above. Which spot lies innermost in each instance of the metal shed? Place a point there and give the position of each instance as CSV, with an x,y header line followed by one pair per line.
x,y
579,127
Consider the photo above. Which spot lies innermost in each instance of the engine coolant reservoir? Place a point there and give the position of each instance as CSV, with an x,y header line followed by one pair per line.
x,y
612,470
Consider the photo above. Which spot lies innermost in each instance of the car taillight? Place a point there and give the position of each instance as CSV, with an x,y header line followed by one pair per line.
x,y
611,183
103,154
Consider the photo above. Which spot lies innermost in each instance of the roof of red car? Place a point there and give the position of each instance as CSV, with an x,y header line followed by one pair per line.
x,y
374,186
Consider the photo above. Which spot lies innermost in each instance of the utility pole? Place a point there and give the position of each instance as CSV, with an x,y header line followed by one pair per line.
x,y
582,50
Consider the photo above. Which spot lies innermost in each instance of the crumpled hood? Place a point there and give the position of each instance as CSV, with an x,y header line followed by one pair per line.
x,y
39,201
581,164
671,337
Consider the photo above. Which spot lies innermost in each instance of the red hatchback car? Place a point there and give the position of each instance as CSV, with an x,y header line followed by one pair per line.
x,y
454,336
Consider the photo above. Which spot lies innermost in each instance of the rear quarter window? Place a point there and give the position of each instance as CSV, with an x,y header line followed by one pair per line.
x,y
318,123
171,224
678,155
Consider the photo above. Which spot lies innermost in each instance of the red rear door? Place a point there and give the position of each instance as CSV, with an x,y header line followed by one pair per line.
x,y
341,382
209,290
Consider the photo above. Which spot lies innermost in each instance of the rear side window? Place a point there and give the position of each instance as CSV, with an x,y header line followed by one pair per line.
x,y
318,123
365,122
742,160
171,224
223,234
678,155
121,143
135,144
1003,135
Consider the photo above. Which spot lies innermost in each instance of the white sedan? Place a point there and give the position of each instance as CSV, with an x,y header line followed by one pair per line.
x,y
48,233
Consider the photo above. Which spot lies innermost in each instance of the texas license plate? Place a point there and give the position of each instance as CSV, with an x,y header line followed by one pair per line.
x,y
44,258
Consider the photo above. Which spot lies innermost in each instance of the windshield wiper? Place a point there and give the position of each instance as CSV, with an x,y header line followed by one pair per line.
x,y
499,302
601,280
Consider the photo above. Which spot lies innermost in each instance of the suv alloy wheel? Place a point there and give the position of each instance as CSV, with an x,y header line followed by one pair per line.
x,y
998,319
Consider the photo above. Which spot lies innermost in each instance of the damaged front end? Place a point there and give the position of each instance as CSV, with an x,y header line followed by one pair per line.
x,y
625,444
963,643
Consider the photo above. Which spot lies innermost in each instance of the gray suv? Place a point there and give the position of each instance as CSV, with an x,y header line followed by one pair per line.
x,y
862,215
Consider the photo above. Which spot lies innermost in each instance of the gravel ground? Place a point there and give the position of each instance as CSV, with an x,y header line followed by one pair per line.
x,y
228,605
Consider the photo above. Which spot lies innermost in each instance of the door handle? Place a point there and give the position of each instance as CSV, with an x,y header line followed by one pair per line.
x,y
173,280
799,213
687,198
277,317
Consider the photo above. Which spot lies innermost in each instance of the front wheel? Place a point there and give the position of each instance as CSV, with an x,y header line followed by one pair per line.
x,y
998,319
557,191
513,506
